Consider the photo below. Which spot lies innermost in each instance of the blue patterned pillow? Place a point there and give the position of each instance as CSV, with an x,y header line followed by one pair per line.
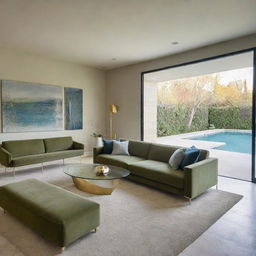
x,y
191,156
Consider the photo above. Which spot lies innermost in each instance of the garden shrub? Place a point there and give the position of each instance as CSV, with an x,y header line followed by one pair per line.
x,y
174,119
231,117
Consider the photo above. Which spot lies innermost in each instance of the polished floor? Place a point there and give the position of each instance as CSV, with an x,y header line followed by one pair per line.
x,y
235,233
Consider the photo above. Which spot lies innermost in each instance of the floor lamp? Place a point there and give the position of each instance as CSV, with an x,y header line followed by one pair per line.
x,y
113,110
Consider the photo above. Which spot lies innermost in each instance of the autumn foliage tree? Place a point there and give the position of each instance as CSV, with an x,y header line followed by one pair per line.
x,y
203,91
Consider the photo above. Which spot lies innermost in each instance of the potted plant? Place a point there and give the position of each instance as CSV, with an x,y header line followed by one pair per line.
x,y
97,139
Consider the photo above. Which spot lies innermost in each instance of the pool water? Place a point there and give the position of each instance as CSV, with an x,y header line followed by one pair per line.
x,y
235,141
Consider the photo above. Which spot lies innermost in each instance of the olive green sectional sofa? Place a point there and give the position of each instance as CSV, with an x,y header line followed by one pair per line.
x,y
148,164
55,213
24,152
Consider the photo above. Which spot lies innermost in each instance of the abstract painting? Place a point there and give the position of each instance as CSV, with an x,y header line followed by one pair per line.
x,y
73,108
31,107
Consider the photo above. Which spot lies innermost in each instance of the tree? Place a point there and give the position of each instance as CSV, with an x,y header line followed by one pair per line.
x,y
193,91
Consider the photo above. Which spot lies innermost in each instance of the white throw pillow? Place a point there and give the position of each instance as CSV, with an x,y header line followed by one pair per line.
x,y
176,158
120,148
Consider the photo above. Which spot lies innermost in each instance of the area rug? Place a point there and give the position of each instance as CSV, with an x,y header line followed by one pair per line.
x,y
135,220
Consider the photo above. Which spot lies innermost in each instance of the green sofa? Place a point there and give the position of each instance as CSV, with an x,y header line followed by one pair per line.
x,y
24,152
55,213
148,164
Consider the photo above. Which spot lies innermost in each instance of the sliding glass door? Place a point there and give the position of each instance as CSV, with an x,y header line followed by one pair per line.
x,y
209,103
254,120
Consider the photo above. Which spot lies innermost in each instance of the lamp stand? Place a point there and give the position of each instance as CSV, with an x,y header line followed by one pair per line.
x,y
111,126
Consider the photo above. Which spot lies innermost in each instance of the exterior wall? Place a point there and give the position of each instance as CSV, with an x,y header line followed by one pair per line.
x,y
150,111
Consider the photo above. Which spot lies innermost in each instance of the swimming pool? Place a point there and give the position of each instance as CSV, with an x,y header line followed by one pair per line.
x,y
235,141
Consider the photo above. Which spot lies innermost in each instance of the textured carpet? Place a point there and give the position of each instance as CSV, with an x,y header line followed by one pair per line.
x,y
135,220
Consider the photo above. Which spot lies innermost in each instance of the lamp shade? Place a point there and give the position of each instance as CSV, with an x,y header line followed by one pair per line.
x,y
113,108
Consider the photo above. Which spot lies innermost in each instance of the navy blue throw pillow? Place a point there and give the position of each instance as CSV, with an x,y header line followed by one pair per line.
x,y
107,146
191,156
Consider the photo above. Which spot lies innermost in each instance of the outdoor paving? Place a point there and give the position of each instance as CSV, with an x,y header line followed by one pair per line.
x,y
231,164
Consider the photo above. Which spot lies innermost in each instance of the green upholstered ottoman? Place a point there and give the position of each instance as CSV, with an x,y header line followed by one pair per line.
x,y
58,215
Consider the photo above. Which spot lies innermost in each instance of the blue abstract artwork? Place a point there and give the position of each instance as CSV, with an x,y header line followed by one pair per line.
x,y
73,108
31,107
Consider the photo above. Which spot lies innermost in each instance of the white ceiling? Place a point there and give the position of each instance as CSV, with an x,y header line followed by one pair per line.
x,y
114,33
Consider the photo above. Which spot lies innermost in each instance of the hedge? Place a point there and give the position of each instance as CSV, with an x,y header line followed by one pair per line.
x,y
174,119
231,117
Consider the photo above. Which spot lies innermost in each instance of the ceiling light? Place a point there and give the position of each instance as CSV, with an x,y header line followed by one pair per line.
x,y
113,58
174,43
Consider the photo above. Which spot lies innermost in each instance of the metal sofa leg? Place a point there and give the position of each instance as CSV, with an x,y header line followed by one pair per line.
x,y
63,249
42,167
189,199
217,188
63,162
94,230
14,172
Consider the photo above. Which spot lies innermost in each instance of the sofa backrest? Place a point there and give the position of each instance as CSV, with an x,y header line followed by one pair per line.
x,y
162,153
24,147
58,144
139,148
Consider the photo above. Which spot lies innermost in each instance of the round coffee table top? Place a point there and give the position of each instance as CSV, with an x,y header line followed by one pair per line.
x,y
87,171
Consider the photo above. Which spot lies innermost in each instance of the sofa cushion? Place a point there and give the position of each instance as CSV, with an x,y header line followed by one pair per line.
x,y
24,147
120,148
40,158
139,148
58,144
118,160
107,146
158,171
191,156
176,158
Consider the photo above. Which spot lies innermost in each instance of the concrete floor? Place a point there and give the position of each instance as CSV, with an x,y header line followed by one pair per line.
x,y
231,164
234,233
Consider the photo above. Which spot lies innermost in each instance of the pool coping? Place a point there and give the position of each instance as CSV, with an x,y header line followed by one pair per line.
x,y
185,138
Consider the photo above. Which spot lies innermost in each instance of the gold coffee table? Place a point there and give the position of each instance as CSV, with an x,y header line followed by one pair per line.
x,y
85,178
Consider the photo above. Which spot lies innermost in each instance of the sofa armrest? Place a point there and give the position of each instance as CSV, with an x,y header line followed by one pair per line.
x,y
96,151
5,157
77,145
200,176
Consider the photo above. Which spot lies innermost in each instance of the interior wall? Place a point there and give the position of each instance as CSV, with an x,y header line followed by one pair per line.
x,y
124,84
26,67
